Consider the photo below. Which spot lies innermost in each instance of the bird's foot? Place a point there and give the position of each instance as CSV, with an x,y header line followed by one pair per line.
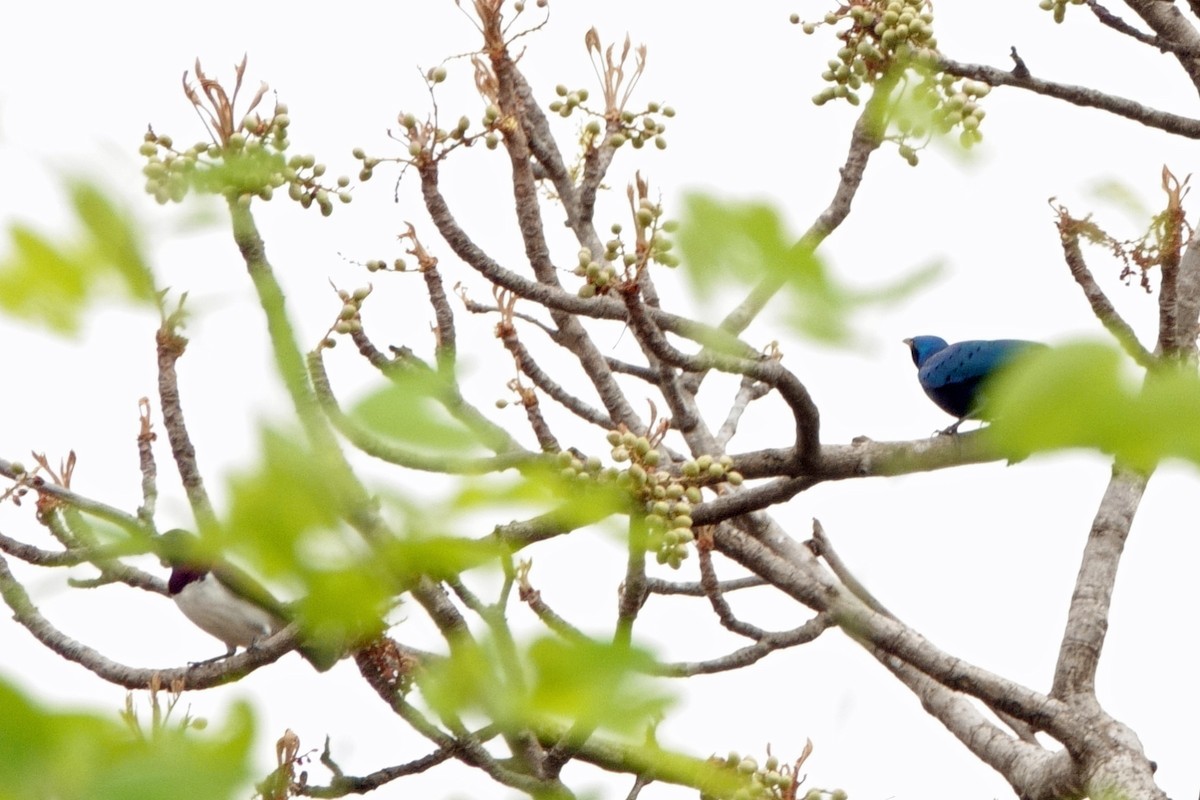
x,y
951,430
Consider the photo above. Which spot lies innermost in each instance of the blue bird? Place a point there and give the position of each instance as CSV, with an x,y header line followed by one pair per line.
x,y
952,375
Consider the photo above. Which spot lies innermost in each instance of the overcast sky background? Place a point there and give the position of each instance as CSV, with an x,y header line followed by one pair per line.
x,y
980,559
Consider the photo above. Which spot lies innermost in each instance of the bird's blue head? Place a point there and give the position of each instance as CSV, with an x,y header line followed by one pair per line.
x,y
923,347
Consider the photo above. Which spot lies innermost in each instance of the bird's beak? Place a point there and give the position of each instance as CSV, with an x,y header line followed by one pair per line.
x,y
907,342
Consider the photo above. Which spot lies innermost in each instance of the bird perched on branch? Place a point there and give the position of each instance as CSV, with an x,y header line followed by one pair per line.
x,y
953,375
223,601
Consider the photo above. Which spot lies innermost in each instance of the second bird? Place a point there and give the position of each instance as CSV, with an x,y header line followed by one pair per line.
x,y
952,375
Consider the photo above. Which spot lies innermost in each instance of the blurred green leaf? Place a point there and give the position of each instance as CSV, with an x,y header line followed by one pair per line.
x,y
114,236
598,685
1123,197
289,495
469,680
441,557
1070,396
342,606
1085,395
285,523
408,411
576,501
69,755
726,244
41,283
50,279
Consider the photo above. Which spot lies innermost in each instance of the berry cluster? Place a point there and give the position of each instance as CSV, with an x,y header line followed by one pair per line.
x,y
349,319
938,104
895,38
651,244
600,277
771,781
250,163
572,468
1058,7
636,128
667,499
379,265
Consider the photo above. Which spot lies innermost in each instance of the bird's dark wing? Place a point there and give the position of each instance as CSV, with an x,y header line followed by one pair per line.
x,y
952,378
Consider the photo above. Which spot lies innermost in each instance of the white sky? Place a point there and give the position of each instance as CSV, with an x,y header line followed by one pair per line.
x,y
981,560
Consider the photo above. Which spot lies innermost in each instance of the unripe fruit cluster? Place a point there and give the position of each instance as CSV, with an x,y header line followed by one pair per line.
x,y
600,278
767,782
655,246
349,319
1058,7
640,128
368,164
379,265
573,468
667,499
636,128
570,101
423,138
939,103
881,34
250,164
884,35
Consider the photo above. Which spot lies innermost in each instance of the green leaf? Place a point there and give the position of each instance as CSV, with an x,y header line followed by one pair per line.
x,y
77,755
440,557
1085,395
342,606
51,279
576,501
725,243
1123,197
600,686
289,496
408,410
726,246
114,237
596,683
285,523
39,282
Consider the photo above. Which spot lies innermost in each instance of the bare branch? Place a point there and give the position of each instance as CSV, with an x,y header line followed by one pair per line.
x,y
696,589
145,440
1102,307
1087,620
1171,26
823,547
1077,95
1032,771
807,418
393,453
171,346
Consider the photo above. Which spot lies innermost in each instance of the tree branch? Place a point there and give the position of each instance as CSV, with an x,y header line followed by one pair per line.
x,y
1087,620
1077,95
